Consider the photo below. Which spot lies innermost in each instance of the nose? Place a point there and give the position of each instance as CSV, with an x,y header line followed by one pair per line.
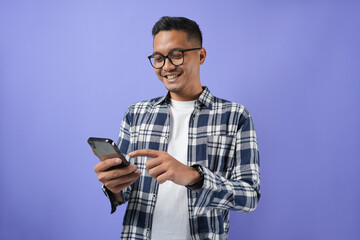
x,y
168,65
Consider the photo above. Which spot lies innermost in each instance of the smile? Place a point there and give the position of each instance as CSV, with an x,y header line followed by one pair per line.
x,y
172,77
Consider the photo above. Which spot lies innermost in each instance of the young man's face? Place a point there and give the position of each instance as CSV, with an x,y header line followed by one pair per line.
x,y
182,81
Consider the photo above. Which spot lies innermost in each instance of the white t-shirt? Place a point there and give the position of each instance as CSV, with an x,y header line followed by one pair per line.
x,y
171,214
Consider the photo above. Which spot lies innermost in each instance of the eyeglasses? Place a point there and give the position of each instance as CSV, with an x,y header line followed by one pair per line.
x,y
176,57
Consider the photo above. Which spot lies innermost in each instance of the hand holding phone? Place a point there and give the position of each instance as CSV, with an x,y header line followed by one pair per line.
x,y
114,174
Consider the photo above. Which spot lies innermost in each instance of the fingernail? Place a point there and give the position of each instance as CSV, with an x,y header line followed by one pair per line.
x,y
133,167
117,160
130,154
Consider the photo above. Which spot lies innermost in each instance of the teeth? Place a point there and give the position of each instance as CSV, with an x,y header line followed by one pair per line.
x,y
171,76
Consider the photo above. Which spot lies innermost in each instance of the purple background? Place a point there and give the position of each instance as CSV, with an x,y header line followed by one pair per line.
x,y
69,70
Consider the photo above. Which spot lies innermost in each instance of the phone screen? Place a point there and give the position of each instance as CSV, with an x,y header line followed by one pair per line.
x,y
105,146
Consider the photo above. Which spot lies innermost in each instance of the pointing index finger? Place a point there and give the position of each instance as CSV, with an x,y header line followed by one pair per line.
x,y
145,152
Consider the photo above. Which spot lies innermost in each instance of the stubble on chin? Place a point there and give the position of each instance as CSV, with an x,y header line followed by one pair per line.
x,y
174,89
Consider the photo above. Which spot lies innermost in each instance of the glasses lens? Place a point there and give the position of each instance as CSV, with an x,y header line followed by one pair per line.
x,y
176,57
157,60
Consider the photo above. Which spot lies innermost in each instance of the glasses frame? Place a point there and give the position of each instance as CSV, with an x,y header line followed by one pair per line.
x,y
167,56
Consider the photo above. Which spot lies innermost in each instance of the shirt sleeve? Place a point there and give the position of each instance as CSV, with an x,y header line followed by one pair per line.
x,y
241,192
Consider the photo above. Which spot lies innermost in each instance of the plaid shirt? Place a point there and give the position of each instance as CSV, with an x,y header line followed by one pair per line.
x,y
221,139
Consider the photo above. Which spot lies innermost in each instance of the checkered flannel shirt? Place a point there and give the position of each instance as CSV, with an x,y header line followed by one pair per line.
x,y
221,139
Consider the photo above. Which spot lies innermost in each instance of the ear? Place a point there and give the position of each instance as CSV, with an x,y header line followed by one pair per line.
x,y
202,56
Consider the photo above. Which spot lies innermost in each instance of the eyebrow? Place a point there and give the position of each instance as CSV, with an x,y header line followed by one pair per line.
x,y
174,49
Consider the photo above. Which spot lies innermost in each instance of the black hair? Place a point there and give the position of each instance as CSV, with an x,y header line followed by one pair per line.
x,y
179,23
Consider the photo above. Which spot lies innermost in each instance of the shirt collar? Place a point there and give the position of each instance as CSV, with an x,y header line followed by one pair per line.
x,y
205,99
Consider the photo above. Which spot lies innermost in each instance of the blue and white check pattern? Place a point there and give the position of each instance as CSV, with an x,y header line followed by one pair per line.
x,y
222,140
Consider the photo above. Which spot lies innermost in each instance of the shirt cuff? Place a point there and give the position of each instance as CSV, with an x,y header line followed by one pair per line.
x,y
207,193
111,197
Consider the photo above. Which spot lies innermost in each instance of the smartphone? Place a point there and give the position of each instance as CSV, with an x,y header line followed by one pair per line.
x,y
106,146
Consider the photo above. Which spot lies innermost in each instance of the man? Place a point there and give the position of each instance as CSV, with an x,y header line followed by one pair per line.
x,y
195,156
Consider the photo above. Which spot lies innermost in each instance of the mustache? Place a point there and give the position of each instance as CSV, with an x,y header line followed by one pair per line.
x,y
163,74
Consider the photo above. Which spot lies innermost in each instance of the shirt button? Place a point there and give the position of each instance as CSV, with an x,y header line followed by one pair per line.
x,y
154,196
147,232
